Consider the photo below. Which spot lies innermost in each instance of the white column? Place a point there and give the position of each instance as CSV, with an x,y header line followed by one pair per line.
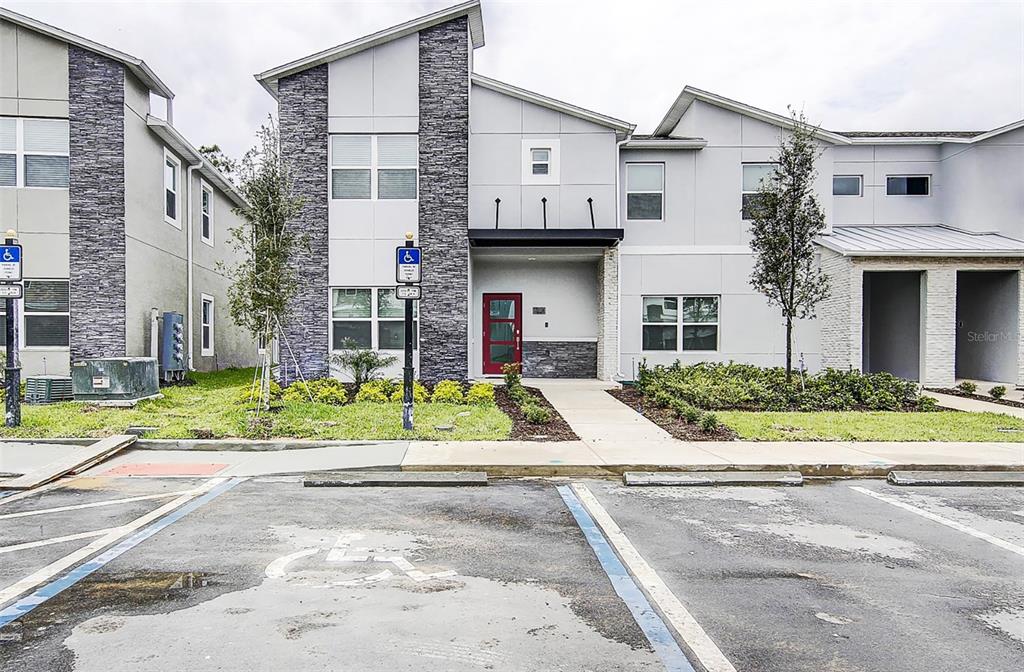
x,y
938,325
608,315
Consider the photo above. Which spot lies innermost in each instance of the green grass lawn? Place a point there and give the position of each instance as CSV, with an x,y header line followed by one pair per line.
x,y
210,406
872,426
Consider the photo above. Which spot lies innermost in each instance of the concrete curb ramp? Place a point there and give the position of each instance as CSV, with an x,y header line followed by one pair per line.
x,y
952,478
394,479
705,478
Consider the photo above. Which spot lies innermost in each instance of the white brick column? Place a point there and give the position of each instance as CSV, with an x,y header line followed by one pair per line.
x,y
938,333
608,315
840,313
1020,328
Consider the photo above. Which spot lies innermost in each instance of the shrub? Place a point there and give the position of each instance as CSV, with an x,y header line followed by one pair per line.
x,y
480,394
376,391
320,390
361,364
519,395
692,415
536,414
708,422
447,392
927,404
997,391
967,387
419,392
250,393
513,374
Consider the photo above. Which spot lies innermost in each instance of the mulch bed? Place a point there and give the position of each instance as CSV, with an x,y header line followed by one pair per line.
x,y
667,420
952,391
556,430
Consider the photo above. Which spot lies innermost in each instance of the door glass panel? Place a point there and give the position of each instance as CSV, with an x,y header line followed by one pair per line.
x,y
503,309
501,331
502,354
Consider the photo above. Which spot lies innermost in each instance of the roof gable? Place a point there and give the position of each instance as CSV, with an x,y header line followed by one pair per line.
x,y
135,65
471,9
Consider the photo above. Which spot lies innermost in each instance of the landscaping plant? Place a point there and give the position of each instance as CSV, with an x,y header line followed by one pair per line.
x,y
967,387
997,391
321,390
480,394
362,364
375,391
536,414
419,393
447,392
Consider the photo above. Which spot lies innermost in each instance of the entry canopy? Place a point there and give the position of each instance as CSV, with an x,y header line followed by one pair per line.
x,y
918,241
545,237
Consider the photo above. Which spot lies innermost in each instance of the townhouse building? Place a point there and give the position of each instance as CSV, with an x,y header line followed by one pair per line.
x,y
118,214
557,237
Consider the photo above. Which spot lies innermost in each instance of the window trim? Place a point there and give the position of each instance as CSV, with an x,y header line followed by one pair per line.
x,y
860,186
928,176
625,184
22,314
205,188
553,176
374,167
744,192
211,325
171,158
374,319
680,323
20,153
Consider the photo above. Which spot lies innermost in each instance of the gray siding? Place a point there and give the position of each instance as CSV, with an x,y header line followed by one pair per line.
x,y
444,199
97,205
303,119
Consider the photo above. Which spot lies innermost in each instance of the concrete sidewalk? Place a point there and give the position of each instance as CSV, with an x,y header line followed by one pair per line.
x,y
974,405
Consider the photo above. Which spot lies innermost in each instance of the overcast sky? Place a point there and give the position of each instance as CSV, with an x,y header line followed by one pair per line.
x,y
889,65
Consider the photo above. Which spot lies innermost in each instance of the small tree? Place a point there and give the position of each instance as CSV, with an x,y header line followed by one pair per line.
x,y
786,218
263,281
219,160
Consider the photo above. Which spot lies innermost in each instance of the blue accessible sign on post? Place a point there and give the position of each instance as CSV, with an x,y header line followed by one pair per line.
x,y
10,263
407,264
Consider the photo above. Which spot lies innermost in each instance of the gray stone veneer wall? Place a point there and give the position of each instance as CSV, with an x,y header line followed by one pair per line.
x,y
560,359
444,200
96,205
302,108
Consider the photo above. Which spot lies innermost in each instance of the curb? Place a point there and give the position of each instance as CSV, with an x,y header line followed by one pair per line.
x,y
391,479
955,478
229,445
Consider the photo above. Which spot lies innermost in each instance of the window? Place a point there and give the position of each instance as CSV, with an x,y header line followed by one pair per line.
x,y
846,185
540,161
206,319
369,318
206,213
34,153
907,185
172,170
693,318
382,167
645,191
540,158
754,174
47,313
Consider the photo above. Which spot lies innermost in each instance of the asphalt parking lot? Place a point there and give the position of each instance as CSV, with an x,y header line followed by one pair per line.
x,y
261,573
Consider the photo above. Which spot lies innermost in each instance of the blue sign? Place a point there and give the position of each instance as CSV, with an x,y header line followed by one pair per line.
x,y
407,264
10,263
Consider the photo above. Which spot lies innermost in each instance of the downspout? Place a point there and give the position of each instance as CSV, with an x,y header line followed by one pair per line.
x,y
188,256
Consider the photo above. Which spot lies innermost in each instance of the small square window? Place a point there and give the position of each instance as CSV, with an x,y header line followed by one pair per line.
x,y
907,185
846,185
541,161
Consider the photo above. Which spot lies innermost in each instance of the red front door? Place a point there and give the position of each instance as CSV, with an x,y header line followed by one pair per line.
x,y
503,331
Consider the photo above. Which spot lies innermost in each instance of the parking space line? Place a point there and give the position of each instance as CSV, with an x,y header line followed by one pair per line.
x,y
942,520
167,514
90,505
693,635
55,540
653,627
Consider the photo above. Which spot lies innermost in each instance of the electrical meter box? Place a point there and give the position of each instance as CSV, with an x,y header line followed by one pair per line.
x,y
172,347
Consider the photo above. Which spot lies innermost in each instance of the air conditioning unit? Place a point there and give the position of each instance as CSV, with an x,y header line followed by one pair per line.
x,y
125,379
48,389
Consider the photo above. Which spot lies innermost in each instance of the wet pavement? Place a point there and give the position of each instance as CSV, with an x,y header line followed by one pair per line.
x,y
268,575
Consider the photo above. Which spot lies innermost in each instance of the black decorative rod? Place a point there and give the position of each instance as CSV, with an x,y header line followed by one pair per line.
x,y
590,202
497,207
544,206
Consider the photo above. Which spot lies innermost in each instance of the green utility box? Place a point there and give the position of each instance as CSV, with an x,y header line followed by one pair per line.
x,y
115,379
48,389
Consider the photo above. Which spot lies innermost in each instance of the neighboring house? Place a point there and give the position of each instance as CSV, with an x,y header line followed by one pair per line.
x,y
556,237
118,214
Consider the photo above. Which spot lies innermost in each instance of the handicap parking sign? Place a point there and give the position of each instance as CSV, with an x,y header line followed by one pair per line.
x,y
407,264
10,263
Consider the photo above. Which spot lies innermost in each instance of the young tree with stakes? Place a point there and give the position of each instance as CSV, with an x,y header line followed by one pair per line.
x,y
786,218
263,282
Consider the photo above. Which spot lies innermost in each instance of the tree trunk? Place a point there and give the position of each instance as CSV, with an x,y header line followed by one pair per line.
x,y
789,348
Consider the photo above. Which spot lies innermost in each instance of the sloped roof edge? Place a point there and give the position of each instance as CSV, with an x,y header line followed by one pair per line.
x,y
170,135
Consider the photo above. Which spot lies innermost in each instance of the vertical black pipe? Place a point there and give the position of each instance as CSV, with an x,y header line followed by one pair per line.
x,y
544,207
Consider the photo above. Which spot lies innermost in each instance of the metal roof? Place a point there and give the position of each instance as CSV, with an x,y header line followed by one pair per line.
x,y
918,241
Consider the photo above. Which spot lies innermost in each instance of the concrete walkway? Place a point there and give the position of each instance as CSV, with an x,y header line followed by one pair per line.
x,y
974,405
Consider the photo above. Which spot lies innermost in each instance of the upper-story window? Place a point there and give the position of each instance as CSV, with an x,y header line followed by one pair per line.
x,y
754,175
645,191
540,161
172,181
907,185
847,185
374,167
34,153
206,214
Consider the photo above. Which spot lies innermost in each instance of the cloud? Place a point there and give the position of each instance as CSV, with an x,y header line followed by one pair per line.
x,y
850,65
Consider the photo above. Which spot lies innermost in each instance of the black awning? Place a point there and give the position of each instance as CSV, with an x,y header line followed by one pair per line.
x,y
544,237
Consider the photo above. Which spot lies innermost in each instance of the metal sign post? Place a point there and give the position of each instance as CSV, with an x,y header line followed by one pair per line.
x,y
10,272
407,272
